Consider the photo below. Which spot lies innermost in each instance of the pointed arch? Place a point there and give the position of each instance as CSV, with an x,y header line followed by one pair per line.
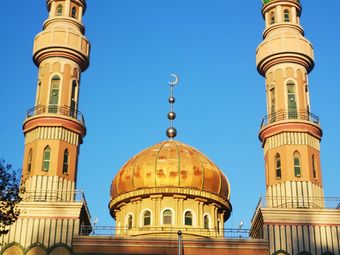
x,y
297,164
54,94
74,12
12,248
59,10
272,18
278,172
29,160
291,99
66,162
313,166
286,15
46,159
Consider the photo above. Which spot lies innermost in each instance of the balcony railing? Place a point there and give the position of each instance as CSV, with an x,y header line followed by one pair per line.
x,y
289,115
54,109
55,195
298,202
162,231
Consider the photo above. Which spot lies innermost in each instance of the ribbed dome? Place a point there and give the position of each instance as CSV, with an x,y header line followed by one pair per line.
x,y
170,164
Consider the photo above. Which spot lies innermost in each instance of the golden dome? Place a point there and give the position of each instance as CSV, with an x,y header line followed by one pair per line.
x,y
170,164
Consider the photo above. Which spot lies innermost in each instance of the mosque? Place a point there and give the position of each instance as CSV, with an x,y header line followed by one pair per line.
x,y
170,198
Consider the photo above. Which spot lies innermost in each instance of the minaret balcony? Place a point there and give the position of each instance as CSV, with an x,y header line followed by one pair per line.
x,y
290,116
56,110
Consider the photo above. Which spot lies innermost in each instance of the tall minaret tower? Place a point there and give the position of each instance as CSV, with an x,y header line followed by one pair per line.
x,y
52,210
290,133
293,216
54,127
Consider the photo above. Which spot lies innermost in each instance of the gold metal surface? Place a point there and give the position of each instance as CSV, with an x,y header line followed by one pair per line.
x,y
170,164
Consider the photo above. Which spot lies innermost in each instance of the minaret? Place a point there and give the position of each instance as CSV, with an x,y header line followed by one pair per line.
x,y
293,216
52,211
290,133
54,127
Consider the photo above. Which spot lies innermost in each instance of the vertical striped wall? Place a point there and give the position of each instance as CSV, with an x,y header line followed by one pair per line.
x,y
315,239
52,133
295,194
291,138
48,232
37,183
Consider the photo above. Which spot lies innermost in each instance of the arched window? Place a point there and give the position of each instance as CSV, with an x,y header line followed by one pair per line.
x,y
73,100
65,162
278,166
291,97
129,222
46,159
188,218
147,218
272,18
54,94
29,161
313,167
272,105
59,10
167,217
286,15
297,164
74,12
206,222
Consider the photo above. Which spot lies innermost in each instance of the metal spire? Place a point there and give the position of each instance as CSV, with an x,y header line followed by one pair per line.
x,y
171,132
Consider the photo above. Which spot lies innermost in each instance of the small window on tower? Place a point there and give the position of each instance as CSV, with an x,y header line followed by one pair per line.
x,y
297,164
65,162
286,15
59,10
74,12
29,161
46,159
272,18
313,167
188,218
278,166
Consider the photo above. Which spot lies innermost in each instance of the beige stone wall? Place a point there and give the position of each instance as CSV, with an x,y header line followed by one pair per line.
x,y
178,205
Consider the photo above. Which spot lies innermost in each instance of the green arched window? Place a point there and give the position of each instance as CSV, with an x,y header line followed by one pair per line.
x,y
188,218
297,164
65,162
147,218
59,10
278,166
46,159
286,15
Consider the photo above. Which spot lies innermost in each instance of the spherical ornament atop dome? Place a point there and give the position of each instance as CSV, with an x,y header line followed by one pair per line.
x,y
171,132
171,115
172,100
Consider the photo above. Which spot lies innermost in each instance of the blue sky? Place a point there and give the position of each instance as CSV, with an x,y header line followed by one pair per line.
x,y
220,99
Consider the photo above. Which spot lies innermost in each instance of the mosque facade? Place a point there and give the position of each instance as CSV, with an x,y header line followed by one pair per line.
x,y
170,198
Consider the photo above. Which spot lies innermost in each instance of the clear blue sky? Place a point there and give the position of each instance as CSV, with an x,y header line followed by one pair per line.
x,y
220,100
